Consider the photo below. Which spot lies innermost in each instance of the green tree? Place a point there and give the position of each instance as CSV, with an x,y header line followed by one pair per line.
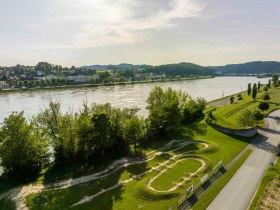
x,y
263,106
249,89
246,119
258,116
122,79
265,88
265,96
259,86
134,131
275,79
254,91
193,110
23,150
231,99
164,109
102,131
269,83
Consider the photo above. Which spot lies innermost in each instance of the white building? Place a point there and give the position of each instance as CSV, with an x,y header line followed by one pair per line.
x,y
3,84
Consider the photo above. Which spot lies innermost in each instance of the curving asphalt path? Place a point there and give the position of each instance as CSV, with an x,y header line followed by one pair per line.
x,y
240,190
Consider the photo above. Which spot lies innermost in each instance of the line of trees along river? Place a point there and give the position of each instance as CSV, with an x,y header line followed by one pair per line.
x,y
95,132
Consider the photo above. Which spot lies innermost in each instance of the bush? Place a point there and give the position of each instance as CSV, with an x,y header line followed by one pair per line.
x,y
231,99
265,97
258,116
265,88
263,106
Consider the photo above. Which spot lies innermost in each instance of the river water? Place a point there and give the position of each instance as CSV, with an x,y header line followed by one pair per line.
x,y
120,96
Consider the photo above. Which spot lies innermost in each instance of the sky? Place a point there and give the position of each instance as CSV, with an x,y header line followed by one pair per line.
x,y
85,32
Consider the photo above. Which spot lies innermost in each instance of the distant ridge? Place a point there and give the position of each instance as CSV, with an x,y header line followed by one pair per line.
x,y
255,67
112,66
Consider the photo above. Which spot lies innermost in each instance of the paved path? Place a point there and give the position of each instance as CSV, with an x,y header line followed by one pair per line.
x,y
238,193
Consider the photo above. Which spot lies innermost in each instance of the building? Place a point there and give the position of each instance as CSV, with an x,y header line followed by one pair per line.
x,y
3,84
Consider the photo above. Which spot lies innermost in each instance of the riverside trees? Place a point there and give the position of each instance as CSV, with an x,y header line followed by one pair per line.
x,y
96,132
23,149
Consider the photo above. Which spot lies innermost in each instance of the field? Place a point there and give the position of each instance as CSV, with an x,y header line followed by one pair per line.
x,y
268,194
227,115
155,182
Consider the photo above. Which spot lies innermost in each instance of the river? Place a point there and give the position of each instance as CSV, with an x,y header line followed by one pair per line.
x,y
120,96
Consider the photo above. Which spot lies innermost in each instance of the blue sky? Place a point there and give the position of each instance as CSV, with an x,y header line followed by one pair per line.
x,y
83,32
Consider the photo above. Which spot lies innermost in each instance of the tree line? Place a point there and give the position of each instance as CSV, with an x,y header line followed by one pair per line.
x,y
95,132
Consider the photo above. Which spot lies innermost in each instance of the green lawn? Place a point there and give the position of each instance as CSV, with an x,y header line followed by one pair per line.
x,y
268,188
135,193
227,115
181,170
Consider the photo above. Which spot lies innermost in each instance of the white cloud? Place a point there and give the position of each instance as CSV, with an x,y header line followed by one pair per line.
x,y
92,23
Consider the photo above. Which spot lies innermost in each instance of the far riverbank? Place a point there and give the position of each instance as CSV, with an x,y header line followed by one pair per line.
x,y
65,87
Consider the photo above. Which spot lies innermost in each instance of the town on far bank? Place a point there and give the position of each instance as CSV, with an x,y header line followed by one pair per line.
x,y
48,75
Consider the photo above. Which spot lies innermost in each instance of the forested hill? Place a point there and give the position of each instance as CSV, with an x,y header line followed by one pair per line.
x,y
256,67
182,69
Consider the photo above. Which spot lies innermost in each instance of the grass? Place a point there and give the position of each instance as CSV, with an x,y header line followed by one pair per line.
x,y
135,194
228,115
215,189
270,180
181,170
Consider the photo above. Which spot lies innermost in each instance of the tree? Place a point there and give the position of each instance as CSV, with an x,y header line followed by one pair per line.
x,y
269,83
193,110
249,89
254,91
275,79
246,119
265,88
231,99
23,149
134,131
259,86
122,79
258,116
164,109
265,97
263,106
101,131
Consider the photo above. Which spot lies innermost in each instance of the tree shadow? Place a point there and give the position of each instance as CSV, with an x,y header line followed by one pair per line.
x,y
261,142
273,117
269,130
190,131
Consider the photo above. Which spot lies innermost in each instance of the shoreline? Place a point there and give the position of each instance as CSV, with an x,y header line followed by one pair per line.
x,y
69,87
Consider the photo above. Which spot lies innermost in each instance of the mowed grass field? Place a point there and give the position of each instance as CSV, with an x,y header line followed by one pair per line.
x,y
228,115
135,194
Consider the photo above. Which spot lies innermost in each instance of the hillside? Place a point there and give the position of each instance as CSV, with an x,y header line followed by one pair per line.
x,y
255,67
185,69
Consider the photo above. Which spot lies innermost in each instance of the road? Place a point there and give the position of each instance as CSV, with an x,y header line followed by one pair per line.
x,y
239,191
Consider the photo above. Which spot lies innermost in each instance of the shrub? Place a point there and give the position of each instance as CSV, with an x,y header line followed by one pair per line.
x,y
258,116
231,99
265,97
263,106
